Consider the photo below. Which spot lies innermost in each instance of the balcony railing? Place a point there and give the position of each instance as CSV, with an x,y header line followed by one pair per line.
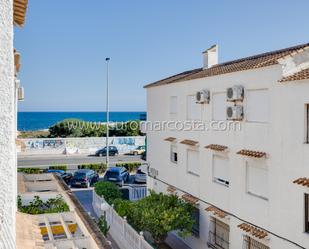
x,y
216,241
249,243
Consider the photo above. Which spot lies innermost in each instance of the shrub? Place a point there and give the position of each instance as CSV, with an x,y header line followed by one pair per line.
x,y
108,190
37,206
30,170
98,167
104,227
60,167
130,166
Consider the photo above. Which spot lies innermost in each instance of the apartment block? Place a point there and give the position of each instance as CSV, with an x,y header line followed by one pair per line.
x,y
232,139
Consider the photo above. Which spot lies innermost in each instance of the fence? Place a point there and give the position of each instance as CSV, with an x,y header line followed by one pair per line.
x,y
124,235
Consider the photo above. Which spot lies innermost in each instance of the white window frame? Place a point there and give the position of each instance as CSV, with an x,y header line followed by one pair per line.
x,y
198,165
248,91
173,107
224,182
189,111
306,123
264,167
173,145
213,106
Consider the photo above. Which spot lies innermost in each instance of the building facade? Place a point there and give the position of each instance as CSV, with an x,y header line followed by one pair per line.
x,y
232,139
11,12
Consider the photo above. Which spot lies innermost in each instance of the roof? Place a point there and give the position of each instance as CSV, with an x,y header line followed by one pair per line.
x,y
20,8
302,75
252,62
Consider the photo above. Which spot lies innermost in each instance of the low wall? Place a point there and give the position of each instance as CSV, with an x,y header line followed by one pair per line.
x,y
87,145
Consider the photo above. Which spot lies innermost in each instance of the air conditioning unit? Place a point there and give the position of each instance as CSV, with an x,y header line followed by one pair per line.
x,y
152,172
202,97
235,93
234,112
20,93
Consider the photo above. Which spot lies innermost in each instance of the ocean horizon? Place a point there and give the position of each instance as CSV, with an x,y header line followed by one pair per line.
x,y
32,121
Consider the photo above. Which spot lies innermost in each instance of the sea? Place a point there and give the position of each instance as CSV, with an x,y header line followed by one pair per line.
x,y
32,121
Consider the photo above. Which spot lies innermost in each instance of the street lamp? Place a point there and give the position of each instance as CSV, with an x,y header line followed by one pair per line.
x,y
107,111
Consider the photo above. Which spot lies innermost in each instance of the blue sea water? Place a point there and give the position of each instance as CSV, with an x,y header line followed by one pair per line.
x,y
31,121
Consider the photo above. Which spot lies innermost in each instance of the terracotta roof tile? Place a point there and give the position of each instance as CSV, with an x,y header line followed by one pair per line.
x,y
258,233
171,189
302,75
189,142
216,147
190,199
216,211
20,8
252,62
252,153
170,139
302,181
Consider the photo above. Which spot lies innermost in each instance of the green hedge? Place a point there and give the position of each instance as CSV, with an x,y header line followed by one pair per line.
x,y
60,167
108,190
30,170
130,166
98,167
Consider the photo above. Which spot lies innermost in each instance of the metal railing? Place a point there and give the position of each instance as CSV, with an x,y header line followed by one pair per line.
x,y
249,243
217,242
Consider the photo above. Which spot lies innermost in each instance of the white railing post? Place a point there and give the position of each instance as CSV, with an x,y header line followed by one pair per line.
x,y
124,226
112,214
141,237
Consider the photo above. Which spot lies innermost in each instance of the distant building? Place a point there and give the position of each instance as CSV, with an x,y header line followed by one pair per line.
x,y
249,184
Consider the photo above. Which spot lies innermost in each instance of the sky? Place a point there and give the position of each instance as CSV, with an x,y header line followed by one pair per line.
x,y
64,44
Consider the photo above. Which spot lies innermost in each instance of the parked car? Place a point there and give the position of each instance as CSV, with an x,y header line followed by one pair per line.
x,y
112,151
118,175
67,177
58,172
138,151
84,178
141,174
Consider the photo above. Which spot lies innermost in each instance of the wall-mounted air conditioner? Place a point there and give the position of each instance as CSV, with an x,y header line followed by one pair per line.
x,y
20,93
235,93
152,172
202,97
234,112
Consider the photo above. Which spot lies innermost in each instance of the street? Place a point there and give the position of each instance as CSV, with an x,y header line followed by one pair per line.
x,y
45,161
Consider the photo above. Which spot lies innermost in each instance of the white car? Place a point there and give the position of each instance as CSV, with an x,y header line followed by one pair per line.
x,y
141,174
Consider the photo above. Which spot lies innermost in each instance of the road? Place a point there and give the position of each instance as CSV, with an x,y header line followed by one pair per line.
x,y
70,160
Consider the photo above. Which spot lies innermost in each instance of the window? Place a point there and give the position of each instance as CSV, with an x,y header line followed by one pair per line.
x,y
219,106
219,233
174,154
196,225
257,105
173,105
221,169
249,243
193,109
193,162
307,213
307,123
257,178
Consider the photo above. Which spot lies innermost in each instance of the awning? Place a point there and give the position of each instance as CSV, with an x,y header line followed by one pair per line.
x,y
216,147
170,139
302,181
258,233
216,211
20,8
190,199
252,153
189,142
171,189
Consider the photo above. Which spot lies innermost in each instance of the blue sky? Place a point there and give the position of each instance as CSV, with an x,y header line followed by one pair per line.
x,y
64,45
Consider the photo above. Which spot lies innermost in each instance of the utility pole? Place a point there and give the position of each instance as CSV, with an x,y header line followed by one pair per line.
x,y
107,111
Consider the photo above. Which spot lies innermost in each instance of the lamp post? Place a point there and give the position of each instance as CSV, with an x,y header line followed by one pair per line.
x,y
107,111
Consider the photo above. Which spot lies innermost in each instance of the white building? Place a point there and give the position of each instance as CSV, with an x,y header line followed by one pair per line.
x,y
243,180
11,12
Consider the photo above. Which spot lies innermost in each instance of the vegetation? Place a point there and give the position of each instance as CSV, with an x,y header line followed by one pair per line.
x,y
158,214
60,167
108,190
130,166
38,206
104,227
98,167
30,170
33,134
80,128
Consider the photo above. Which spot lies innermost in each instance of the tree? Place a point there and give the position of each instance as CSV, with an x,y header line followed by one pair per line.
x,y
108,190
158,214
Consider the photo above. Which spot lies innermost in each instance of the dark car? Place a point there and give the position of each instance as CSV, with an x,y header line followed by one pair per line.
x,y
67,177
118,175
84,178
112,151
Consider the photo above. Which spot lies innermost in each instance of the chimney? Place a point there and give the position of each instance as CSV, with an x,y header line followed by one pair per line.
x,y
210,57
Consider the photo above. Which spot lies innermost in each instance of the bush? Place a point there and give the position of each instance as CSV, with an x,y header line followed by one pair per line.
x,y
37,206
130,166
104,227
108,190
30,170
60,167
98,167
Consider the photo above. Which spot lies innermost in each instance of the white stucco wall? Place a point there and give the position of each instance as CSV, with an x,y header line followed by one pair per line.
x,y
282,138
7,128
